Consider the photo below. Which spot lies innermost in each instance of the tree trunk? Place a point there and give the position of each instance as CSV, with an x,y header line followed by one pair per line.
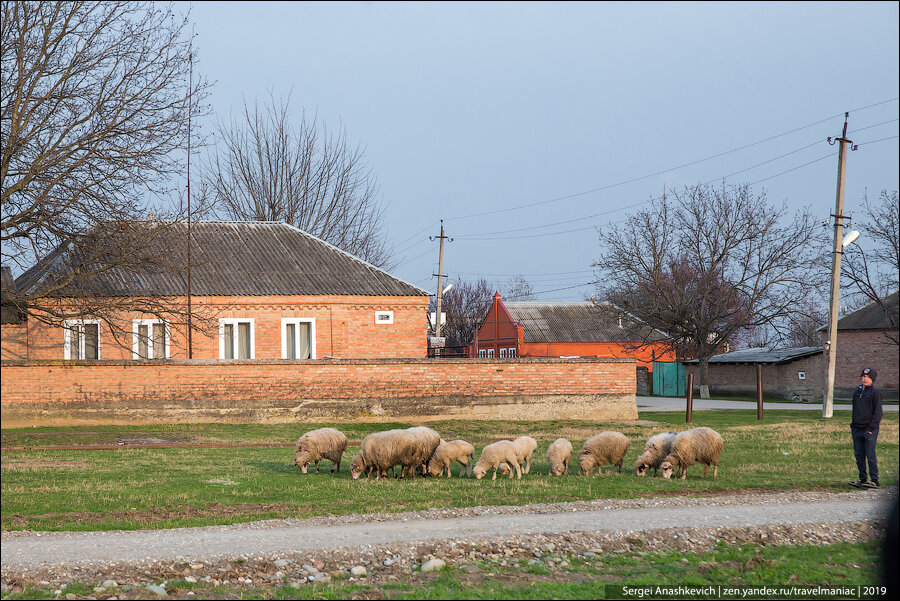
x,y
704,378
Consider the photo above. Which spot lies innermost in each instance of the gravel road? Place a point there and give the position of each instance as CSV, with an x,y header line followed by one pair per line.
x,y
606,519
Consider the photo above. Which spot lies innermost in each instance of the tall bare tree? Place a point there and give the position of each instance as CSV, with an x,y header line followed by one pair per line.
x,y
518,289
872,267
269,166
95,102
706,263
465,304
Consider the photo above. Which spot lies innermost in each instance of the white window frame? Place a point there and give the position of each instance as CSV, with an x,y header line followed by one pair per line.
x,y
68,326
503,353
490,353
511,352
234,321
136,323
482,353
297,321
384,322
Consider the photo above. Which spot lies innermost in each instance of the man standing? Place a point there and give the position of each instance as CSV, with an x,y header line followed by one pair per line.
x,y
864,428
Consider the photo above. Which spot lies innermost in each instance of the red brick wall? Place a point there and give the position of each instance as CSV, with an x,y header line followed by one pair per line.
x,y
645,356
14,341
345,327
69,392
857,349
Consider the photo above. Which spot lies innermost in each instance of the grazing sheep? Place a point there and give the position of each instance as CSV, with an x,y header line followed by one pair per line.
x,y
606,447
558,455
525,447
381,451
448,452
313,446
656,449
700,445
495,454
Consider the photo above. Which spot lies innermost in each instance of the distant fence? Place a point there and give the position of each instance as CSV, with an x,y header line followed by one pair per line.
x,y
98,392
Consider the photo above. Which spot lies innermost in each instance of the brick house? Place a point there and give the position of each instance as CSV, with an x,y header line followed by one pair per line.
x,y
262,290
785,372
867,337
565,329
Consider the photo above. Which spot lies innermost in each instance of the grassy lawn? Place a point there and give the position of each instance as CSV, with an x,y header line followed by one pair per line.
x,y
132,488
570,577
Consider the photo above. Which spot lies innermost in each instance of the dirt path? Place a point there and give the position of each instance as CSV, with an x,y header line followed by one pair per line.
x,y
23,551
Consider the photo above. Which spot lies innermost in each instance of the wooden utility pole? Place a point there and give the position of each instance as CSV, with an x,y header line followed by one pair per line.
x,y
828,405
190,110
440,286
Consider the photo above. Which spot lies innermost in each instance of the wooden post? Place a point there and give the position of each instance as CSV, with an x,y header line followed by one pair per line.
x,y
690,399
759,392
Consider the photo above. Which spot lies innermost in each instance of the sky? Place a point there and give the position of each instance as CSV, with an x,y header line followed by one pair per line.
x,y
525,126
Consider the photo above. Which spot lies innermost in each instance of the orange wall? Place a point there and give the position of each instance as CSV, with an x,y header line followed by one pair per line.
x,y
644,356
344,326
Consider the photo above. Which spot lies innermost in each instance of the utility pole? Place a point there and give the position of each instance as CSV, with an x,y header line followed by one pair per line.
x,y
190,110
440,288
828,405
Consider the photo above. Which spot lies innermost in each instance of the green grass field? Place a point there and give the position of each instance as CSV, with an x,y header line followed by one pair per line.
x,y
132,488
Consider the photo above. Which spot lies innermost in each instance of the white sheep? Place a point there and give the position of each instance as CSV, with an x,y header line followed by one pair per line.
x,y
495,454
606,447
656,449
525,448
448,452
558,455
700,445
380,451
324,443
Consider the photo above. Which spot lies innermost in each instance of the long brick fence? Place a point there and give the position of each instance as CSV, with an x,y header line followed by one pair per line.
x,y
110,392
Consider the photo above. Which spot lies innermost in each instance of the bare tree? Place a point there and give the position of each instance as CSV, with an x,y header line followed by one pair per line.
x,y
95,109
465,304
872,267
518,289
271,167
705,264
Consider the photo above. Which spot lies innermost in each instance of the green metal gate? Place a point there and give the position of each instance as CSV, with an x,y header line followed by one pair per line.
x,y
668,379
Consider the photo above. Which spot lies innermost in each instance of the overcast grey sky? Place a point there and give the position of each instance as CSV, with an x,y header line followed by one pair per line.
x,y
543,110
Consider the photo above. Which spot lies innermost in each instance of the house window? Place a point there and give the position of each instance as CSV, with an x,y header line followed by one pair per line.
x,y
150,339
384,317
490,353
298,338
801,375
82,339
503,353
482,353
236,339
511,353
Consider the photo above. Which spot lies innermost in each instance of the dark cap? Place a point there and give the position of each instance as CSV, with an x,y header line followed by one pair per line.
x,y
869,371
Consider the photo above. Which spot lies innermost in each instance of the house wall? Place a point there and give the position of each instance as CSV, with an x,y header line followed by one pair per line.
x,y
778,380
13,341
344,327
108,392
857,349
645,356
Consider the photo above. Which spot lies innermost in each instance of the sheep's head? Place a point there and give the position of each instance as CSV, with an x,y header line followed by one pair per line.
x,y
503,468
357,466
586,463
557,470
302,460
667,469
434,469
479,472
641,468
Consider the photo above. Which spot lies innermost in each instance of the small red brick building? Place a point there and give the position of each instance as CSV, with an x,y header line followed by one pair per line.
x,y
262,290
566,329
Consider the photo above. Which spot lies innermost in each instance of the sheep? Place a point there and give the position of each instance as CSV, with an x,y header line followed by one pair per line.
x,y
558,455
313,446
381,451
606,447
448,452
656,449
525,447
703,445
495,454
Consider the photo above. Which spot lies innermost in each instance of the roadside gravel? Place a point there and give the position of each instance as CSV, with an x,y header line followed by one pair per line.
x,y
377,548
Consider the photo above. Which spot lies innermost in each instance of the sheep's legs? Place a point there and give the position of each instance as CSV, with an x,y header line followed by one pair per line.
x,y
716,471
705,470
684,474
495,474
516,465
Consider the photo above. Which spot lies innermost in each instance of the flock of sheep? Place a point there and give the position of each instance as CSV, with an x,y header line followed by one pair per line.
x,y
422,449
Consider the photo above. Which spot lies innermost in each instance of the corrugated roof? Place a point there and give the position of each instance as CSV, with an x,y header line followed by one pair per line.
x,y
9,314
235,259
872,316
764,355
577,322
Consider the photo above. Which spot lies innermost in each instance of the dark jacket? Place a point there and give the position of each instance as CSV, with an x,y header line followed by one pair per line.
x,y
866,408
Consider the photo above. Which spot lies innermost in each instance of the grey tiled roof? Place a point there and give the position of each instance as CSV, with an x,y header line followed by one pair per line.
x,y
577,322
871,317
764,355
236,259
